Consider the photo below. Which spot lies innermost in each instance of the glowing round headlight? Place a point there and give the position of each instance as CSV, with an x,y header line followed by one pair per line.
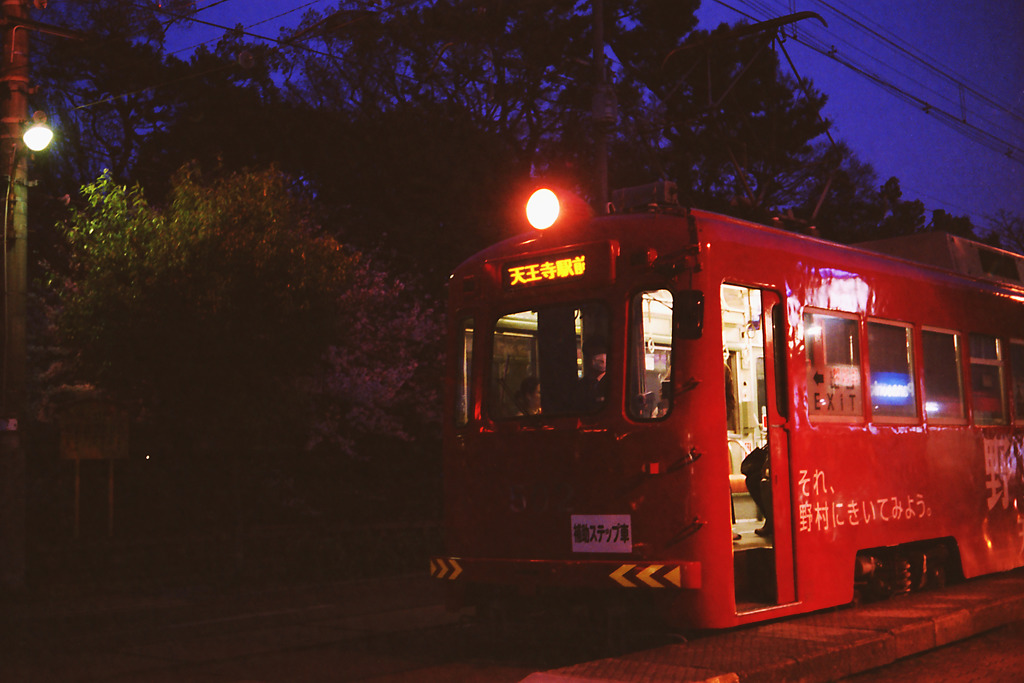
x,y
542,209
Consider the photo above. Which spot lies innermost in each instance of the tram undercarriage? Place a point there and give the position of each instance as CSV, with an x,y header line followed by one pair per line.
x,y
884,572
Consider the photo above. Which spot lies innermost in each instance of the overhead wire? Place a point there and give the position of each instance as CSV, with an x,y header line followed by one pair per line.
x,y
939,105
167,23
804,37
192,18
893,76
976,132
206,72
924,60
245,31
988,127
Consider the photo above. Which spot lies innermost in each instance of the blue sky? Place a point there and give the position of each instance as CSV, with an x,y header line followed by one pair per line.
x,y
965,58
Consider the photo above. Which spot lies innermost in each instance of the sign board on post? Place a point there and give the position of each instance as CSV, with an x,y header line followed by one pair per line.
x,y
93,429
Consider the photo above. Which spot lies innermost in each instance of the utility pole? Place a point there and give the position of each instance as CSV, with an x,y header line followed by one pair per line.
x,y
14,91
604,110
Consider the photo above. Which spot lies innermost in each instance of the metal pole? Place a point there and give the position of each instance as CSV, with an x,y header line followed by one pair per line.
x,y
14,75
110,497
599,112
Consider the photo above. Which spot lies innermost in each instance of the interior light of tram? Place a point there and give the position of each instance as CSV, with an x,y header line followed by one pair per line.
x,y
542,210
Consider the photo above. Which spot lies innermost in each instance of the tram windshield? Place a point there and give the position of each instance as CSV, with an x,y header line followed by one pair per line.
x,y
649,363
550,361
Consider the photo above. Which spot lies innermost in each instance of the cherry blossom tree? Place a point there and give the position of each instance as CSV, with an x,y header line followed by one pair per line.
x,y
231,321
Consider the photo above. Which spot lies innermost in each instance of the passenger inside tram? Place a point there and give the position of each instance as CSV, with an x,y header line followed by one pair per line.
x,y
528,397
593,386
756,471
730,393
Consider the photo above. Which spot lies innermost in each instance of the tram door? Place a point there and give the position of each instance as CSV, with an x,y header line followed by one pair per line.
x,y
752,321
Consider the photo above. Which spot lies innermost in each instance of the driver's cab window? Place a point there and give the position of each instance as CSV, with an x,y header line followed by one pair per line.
x,y
550,361
649,364
463,375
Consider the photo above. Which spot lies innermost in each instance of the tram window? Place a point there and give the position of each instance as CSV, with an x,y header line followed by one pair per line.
x,y
833,366
987,380
1017,377
943,383
891,362
555,347
650,354
463,379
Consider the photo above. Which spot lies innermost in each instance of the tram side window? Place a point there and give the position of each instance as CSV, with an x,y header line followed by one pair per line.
x,y
891,362
987,380
650,355
833,366
543,361
463,375
1017,377
943,383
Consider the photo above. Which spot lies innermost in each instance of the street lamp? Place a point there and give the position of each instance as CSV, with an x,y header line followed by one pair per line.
x,y
15,25
38,135
14,79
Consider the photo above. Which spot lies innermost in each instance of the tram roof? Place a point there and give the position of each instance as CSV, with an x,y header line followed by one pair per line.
x,y
937,251
954,253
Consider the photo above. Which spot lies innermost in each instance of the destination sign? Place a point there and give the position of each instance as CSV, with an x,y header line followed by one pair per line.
x,y
548,269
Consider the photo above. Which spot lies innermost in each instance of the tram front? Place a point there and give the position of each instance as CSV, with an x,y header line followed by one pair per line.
x,y
562,378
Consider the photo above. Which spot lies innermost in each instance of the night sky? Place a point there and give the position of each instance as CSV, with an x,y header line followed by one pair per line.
x,y
961,59
915,46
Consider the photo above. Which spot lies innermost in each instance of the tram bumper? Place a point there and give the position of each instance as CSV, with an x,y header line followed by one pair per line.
x,y
568,573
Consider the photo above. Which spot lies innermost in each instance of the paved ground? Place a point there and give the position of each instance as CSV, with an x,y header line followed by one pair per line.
x,y
996,656
826,646
372,630
156,634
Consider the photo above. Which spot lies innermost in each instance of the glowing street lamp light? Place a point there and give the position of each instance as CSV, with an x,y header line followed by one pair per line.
x,y
38,135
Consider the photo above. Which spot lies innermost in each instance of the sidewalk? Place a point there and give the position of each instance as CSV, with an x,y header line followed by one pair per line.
x,y
820,647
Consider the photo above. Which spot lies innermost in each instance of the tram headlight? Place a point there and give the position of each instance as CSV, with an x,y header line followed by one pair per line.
x,y
543,208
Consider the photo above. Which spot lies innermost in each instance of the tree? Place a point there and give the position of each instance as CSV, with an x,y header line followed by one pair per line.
x,y
942,221
413,122
102,90
738,133
233,316
902,216
225,112
440,109
415,178
842,200
1006,230
239,332
506,66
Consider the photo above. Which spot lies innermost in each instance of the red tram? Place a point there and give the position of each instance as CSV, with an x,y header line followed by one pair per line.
x,y
886,395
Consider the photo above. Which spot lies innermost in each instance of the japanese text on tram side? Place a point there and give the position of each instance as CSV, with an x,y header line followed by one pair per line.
x,y
546,270
1002,457
820,511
